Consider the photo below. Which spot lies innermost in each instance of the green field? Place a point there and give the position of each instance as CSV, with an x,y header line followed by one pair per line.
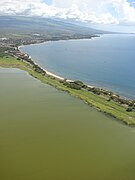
x,y
109,107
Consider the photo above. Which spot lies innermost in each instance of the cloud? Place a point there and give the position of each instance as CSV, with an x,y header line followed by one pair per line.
x,y
94,11
102,11
125,12
26,7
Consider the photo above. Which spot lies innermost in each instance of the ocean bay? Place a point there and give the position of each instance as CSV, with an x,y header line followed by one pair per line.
x,y
106,62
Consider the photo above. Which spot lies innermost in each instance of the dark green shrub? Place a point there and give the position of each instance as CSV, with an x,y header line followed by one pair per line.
x,y
129,109
73,85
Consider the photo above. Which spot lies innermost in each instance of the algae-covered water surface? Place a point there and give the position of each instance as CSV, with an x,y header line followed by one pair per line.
x,y
46,134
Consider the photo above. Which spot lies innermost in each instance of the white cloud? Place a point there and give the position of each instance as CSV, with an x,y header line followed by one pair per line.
x,y
125,13
129,13
95,11
102,11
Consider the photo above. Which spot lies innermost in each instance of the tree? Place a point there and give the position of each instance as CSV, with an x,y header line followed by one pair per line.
x,y
129,109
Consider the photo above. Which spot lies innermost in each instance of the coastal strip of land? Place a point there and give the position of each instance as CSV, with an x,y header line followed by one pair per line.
x,y
102,100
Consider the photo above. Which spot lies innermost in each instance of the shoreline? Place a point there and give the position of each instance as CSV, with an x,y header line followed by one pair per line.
x,y
70,80
84,93
47,72
51,41
101,99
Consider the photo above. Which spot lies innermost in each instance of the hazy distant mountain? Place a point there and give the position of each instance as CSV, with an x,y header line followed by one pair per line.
x,y
19,25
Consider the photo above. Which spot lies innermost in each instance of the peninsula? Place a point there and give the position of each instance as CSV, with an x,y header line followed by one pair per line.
x,y
103,100
12,37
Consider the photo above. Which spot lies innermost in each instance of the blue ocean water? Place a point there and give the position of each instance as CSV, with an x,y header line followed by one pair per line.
x,y
107,61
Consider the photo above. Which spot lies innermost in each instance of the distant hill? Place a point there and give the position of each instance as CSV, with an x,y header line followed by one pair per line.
x,y
29,25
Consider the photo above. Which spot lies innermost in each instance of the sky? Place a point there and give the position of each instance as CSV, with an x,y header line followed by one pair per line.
x,y
97,12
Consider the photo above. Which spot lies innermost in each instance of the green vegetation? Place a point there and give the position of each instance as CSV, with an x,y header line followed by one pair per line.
x,y
129,109
11,62
76,89
74,85
2,51
38,69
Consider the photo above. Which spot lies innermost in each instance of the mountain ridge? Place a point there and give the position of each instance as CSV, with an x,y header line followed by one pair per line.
x,y
21,24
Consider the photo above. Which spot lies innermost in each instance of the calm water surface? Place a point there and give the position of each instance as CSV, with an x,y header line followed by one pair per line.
x,y
108,61
47,135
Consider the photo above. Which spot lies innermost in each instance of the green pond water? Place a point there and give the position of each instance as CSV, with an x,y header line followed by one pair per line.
x,y
45,134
